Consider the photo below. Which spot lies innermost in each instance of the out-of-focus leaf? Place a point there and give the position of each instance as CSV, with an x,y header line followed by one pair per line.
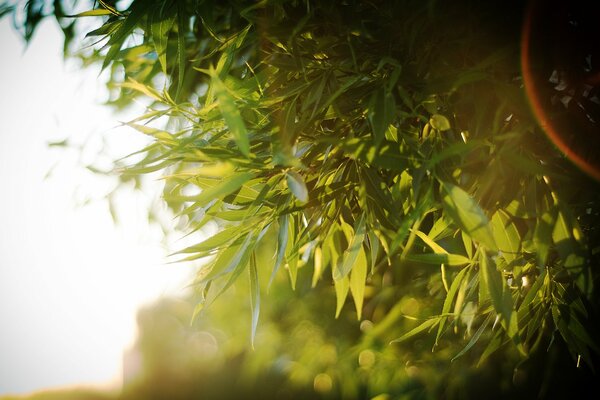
x,y
542,236
474,338
297,186
439,122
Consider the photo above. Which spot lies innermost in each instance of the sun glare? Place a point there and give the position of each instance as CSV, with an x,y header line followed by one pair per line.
x,y
70,280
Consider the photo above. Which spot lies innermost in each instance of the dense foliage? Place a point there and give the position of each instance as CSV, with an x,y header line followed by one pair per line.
x,y
378,150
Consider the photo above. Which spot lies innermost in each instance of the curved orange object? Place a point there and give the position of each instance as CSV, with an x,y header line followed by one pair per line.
x,y
545,120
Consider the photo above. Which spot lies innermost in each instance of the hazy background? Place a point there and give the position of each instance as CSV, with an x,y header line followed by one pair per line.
x,y
70,280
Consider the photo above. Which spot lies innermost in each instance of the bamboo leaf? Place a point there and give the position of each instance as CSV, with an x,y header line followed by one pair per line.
x,y
382,111
467,214
231,114
427,324
282,241
225,187
452,260
358,278
475,338
506,236
254,296
159,31
350,255
297,186
429,242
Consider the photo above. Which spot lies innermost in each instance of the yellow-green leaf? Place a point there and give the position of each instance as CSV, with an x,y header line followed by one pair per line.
x,y
231,114
467,214
358,278
297,186
439,122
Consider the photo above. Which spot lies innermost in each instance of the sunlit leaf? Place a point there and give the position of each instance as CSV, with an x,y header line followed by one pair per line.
x,y
351,254
297,186
506,236
254,296
467,214
427,324
439,122
358,277
231,114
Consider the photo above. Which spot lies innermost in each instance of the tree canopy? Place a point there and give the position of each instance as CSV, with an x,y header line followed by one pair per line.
x,y
381,156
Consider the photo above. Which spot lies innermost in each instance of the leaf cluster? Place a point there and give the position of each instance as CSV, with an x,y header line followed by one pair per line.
x,y
386,146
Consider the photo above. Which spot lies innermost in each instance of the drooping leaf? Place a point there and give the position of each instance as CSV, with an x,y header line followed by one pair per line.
x,y
231,114
358,277
254,297
506,236
382,111
351,253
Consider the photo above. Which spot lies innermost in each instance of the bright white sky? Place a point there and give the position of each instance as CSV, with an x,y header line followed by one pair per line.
x,y
70,281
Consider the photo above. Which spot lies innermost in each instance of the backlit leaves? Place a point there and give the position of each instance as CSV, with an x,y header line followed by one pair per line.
x,y
405,170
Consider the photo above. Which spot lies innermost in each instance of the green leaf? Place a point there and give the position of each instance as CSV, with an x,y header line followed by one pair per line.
x,y
218,191
231,114
506,236
282,242
475,337
429,242
439,122
427,324
92,13
159,31
542,237
228,259
358,278
351,254
453,260
297,186
467,214
254,296
382,111
501,297
341,292
456,283
181,23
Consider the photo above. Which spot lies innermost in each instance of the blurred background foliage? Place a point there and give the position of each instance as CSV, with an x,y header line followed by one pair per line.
x,y
377,151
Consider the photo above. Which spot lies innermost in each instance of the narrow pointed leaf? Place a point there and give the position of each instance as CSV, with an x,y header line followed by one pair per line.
x,y
351,253
254,296
427,324
297,186
358,278
231,114
467,214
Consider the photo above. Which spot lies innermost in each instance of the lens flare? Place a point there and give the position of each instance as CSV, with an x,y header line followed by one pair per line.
x,y
560,61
